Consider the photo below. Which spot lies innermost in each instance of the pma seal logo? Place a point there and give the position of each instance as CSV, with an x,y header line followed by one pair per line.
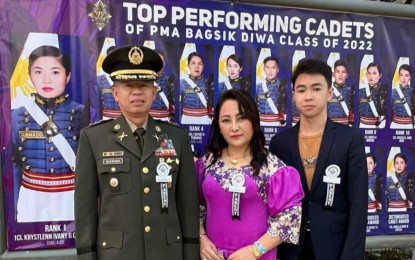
x,y
99,13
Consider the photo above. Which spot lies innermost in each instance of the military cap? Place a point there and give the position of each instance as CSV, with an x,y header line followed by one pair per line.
x,y
132,62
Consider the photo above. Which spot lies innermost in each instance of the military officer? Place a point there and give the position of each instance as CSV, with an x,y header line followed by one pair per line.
x,y
135,193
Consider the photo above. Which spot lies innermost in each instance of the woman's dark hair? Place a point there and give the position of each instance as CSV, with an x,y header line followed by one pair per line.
x,y
371,156
406,67
374,64
193,54
236,58
50,51
249,109
401,155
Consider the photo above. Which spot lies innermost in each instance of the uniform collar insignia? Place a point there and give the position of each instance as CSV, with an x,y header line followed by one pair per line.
x,y
339,85
234,80
122,136
50,102
271,81
195,78
157,137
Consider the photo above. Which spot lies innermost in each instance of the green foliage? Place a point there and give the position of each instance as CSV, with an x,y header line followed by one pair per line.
x,y
389,254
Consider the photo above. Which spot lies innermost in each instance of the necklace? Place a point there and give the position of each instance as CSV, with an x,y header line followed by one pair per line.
x,y
310,159
234,161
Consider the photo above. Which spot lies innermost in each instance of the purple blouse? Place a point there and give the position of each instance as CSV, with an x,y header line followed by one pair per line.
x,y
271,203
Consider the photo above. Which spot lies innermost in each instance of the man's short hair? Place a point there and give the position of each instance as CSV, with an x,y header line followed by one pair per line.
x,y
340,63
312,67
271,58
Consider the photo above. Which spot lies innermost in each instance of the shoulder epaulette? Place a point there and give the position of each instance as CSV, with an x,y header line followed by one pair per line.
x,y
100,122
168,123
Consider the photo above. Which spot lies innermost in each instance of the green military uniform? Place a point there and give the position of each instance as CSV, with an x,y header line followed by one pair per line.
x,y
133,203
117,199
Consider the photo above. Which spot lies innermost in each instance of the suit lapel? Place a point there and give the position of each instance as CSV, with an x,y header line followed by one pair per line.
x,y
150,141
295,153
124,136
326,144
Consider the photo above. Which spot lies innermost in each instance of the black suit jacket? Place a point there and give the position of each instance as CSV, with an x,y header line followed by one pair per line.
x,y
337,232
117,199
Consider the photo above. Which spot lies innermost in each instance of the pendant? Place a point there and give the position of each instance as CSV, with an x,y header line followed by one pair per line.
x,y
234,161
310,162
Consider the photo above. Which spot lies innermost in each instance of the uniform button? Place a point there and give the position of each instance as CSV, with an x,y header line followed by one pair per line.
x,y
145,170
23,159
114,182
113,169
52,159
178,237
104,244
147,229
146,190
51,149
147,209
20,148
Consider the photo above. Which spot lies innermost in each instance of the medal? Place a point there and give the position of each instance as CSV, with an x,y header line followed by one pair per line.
x,y
331,178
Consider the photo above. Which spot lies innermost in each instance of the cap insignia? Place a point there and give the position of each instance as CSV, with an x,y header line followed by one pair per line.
x,y
135,55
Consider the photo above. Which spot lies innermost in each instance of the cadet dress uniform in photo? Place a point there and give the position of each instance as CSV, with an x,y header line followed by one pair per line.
x,y
41,165
133,203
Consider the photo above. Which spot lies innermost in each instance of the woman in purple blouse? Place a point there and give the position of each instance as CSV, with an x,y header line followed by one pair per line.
x,y
249,200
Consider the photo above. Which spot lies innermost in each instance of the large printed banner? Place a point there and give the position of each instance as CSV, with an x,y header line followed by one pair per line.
x,y
52,85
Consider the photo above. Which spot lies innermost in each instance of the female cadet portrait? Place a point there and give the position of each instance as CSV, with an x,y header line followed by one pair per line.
x,y
196,93
45,138
234,67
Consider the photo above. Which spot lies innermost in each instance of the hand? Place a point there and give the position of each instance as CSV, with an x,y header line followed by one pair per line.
x,y
208,249
245,253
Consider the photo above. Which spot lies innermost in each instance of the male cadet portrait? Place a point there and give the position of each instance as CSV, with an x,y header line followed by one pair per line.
x,y
136,195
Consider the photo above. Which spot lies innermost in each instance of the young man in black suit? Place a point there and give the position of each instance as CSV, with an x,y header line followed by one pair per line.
x,y
330,158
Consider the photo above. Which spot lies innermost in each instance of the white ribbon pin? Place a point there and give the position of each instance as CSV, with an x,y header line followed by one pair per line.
x,y
331,178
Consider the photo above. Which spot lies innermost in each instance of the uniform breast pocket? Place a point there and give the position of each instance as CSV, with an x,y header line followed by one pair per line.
x,y
114,175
